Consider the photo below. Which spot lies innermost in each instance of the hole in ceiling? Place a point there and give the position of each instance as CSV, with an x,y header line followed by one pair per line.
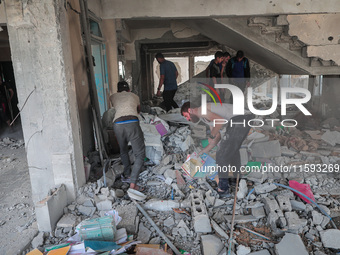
x,y
330,38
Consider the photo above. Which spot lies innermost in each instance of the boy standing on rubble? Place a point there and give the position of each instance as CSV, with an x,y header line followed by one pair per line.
x,y
127,129
229,142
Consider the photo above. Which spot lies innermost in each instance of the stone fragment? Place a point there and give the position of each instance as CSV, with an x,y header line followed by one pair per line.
x,y
268,149
243,250
291,244
170,174
219,230
284,203
211,245
331,238
265,188
298,206
331,137
241,218
271,206
155,240
258,212
119,193
38,240
68,220
88,211
105,205
143,234
71,207
317,218
295,224
128,214
169,222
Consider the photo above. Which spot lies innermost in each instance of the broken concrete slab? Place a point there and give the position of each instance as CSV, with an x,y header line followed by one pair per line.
x,y
268,149
331,238
258,212
317,218
298,206
67,221
219,230
243,250
241,218
331,137
284,203
169,222
38,240
291,244
295,224
211,245
105,205
85,210
265,188
271,206
128,214
50,210
143,234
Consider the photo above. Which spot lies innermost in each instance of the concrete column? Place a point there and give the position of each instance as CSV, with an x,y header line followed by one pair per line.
x,y
109,31
42,61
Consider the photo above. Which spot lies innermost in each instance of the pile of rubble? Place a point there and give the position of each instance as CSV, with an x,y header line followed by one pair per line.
x,y
186,214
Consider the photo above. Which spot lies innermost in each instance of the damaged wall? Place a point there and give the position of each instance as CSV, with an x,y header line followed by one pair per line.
x,y
80,79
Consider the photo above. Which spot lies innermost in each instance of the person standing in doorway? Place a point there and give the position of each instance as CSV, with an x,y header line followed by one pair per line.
x,y
169,74
238,70
127,129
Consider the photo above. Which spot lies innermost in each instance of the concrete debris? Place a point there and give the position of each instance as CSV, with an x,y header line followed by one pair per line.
x,y
331,238
211,245
268,149
265,188
38,240
291,244
189,213
143,234
243,250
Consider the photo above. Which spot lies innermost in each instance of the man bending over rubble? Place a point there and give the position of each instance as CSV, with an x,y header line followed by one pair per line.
x,y
127,129
230,137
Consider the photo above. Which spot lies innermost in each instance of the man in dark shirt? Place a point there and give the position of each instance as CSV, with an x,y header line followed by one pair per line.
x,y
215,71
238,70
168,77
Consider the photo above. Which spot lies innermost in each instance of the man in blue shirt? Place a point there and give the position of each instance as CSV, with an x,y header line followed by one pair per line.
x,y
168,77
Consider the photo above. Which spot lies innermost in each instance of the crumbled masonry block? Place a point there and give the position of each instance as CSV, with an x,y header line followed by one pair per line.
x,y
295,224
258,212
291,244
284,203
211,245
243,250
128,214
317,218
270,205
199,214
50,209
241,218
38,240
265,188
298,206
268,149
143,234
331,238
85,210
67,221
169,222
105,205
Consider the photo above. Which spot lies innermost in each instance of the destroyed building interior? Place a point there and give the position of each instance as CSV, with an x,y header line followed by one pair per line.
x,y
62,184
